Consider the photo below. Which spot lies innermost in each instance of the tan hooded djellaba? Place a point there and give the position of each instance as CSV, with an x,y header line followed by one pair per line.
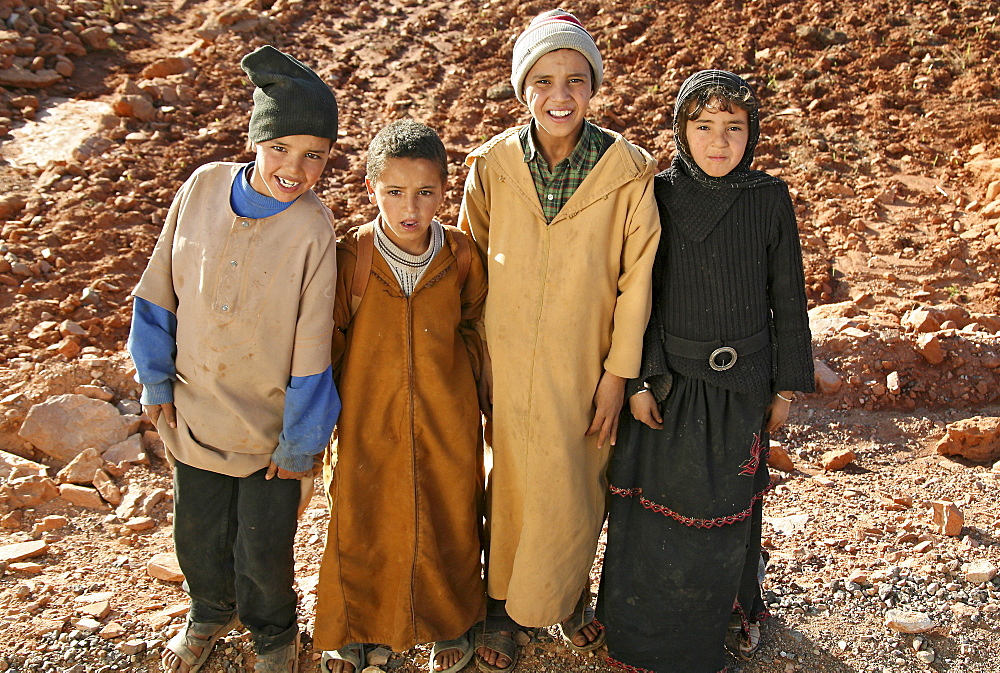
x,y
402,563
568,300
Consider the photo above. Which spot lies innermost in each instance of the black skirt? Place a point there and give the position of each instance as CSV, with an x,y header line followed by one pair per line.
x,y
684,530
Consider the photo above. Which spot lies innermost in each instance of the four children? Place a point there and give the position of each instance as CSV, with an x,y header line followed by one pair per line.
x,y
234,342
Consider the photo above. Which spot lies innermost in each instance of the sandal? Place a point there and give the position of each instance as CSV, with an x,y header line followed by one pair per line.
x,y
353,654
582,615
194,634
461,643
499,643
282,660
745,641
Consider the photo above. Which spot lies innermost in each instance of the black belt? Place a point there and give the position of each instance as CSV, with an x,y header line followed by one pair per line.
x,y
721,355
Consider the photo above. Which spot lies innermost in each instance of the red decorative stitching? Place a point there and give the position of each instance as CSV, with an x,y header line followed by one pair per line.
x,y
687,520
753,462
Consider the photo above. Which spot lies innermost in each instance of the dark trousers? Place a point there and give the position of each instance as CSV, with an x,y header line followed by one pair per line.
x,y
234,537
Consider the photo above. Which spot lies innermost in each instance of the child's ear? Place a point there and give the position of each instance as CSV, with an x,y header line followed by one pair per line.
x,y
371,190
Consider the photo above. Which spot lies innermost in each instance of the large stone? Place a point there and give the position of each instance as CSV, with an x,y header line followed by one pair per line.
x,y
837,459
928,346
29,491
164,67
980,571
11,553
827,381
779,459
64,425
164,567
17,77
11,206
921,320
976,438
82,496
107,487
128,451
81,469
13,466
139,107
947,517
908,621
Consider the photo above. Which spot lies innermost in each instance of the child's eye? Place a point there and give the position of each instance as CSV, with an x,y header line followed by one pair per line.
x,y
313,155
277,148
426,192
394,192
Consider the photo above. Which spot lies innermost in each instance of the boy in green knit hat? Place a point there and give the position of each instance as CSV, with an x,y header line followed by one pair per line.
x,y
231,335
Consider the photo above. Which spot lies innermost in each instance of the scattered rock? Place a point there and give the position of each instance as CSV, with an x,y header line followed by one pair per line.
x,y
165,567
979,572
81,469
128,451
82,496
928,346
11,553
908,621
779,459
13,467
837,459
976,438
947,517
64,425
379,656
107,488
29,491
828,381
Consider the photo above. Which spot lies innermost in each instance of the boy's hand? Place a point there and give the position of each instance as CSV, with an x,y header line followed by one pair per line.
x,y
608,399
167,409
777,411
645,409
282,473
485,388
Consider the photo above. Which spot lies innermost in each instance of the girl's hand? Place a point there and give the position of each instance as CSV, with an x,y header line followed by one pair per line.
x,y
282,473
645,410
167,409
608,399
777,411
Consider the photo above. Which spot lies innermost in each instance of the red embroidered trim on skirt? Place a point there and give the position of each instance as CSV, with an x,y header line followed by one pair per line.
x,y
753,462
635,669
687,520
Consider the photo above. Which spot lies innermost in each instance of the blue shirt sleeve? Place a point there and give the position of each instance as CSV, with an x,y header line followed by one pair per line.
x,y
152,343
312,406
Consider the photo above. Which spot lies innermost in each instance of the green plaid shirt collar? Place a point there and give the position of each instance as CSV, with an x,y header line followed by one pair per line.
x,y
555,187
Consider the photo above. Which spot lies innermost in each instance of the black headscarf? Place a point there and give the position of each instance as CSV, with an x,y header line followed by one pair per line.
x,y
695,200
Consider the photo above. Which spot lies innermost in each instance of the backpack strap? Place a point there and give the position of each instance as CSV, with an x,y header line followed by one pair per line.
x,y
461,248
363,264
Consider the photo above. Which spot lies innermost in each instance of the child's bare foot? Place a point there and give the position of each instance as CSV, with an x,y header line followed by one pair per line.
x,y
188,650
347,659
588,634
496,649
447,658
334,666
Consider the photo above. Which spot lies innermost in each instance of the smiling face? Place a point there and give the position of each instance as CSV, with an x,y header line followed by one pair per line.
x,y
408,193
288,167
558,90
717,139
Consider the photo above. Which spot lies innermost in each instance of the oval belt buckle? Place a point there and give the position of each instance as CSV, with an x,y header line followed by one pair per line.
x,y
721,351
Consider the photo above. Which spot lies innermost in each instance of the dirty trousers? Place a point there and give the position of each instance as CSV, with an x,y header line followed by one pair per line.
x,y
234,537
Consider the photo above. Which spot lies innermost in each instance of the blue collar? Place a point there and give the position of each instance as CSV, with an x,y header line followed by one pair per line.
x,y
248,202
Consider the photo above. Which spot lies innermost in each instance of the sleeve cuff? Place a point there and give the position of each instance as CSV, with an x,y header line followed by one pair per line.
x,y
157,393
286,460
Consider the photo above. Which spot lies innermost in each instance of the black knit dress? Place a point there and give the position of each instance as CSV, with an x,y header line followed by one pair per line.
x,y
685,514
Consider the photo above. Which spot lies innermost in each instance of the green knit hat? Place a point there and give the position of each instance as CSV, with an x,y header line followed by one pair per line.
x,y
290,99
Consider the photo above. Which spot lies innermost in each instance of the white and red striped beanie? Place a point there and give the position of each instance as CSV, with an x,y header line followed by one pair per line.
x,y
555,29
